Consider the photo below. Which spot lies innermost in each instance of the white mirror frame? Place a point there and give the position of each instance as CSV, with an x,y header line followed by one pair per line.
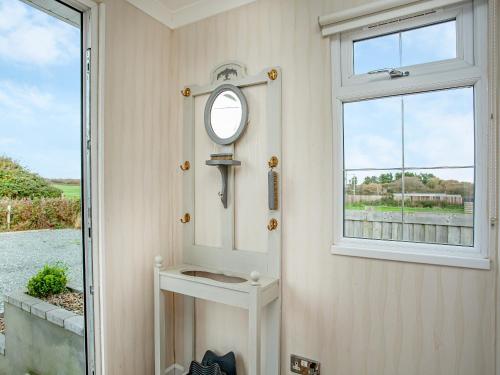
x,y
208,114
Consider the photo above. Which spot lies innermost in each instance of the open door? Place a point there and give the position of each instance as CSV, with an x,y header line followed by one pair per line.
x,y
47,120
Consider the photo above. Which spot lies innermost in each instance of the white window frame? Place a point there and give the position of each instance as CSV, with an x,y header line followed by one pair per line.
x,y
465,55
468,69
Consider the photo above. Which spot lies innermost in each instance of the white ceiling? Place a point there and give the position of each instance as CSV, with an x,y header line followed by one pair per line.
x,y
175,5
177,13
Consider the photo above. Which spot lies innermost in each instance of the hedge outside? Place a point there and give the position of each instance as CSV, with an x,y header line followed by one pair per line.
x,y
40,213
17,182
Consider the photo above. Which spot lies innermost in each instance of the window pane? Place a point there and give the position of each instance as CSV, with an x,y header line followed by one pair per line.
x,y
411,47
370,210
439,206
372,134
439,128
430,43
376,53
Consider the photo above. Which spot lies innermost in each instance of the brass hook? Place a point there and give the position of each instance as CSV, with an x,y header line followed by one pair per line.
x,y
186,218
273,162
273,224
186,165
272,74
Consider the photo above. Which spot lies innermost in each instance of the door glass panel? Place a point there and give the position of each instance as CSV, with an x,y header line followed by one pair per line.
x,y
41,234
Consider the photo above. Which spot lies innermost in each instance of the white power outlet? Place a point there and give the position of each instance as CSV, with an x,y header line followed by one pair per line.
x,y
304,366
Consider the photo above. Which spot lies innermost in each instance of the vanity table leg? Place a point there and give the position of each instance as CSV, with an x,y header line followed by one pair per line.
x,y
159,320
254,331
272,339
189,330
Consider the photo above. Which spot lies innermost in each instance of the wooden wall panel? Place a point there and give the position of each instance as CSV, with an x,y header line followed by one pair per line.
x,y
137,173
357,316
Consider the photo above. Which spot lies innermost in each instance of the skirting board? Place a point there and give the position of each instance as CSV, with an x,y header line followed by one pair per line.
x,y
175,369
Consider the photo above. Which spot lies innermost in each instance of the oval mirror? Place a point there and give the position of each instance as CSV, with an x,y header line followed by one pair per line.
x,y
226,114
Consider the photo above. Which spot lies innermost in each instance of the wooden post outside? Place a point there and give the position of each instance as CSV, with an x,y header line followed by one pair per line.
x,y
9,210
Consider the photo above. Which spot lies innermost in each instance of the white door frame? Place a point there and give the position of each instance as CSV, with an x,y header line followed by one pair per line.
x,y
93,99
94,28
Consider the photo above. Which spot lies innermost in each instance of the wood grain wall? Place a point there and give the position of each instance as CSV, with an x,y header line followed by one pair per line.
x,y
136,178
357,316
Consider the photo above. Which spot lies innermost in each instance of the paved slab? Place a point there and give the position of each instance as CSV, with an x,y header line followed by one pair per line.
x,y
23,254
75,324
41,309
58,316
22,300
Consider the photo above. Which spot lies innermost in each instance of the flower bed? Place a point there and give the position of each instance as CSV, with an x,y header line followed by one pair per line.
x,y
69,300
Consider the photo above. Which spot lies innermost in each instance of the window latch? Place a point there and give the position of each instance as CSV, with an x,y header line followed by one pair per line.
x,y
393,73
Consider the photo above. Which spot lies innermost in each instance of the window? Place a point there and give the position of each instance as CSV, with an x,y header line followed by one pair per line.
x,y
411,128
402,167
405,48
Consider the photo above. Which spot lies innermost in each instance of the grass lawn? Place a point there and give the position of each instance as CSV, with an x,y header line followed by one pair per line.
x,y
435,210
69,191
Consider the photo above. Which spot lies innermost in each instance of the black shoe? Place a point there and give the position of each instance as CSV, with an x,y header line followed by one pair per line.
x,y
198,369
226,362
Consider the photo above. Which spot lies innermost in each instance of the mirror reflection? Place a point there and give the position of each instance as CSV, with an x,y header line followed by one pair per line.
x,y
226,114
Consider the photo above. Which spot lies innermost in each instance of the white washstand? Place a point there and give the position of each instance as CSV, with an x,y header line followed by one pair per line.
x,y
224,274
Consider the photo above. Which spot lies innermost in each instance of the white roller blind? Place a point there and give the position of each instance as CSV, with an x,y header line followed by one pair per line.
x,y
376,12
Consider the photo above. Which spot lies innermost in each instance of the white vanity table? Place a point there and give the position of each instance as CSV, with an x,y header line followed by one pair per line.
x,y
246,295
225,274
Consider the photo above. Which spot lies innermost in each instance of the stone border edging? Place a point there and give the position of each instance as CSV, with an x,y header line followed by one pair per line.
x,y
44,310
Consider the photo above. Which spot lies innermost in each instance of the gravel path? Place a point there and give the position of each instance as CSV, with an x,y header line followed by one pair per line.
x,y
23,254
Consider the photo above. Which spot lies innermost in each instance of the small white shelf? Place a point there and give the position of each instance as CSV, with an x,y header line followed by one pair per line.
x,y
234,294
253,296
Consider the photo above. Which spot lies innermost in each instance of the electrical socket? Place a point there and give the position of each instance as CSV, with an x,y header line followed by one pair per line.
x,y
304,366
